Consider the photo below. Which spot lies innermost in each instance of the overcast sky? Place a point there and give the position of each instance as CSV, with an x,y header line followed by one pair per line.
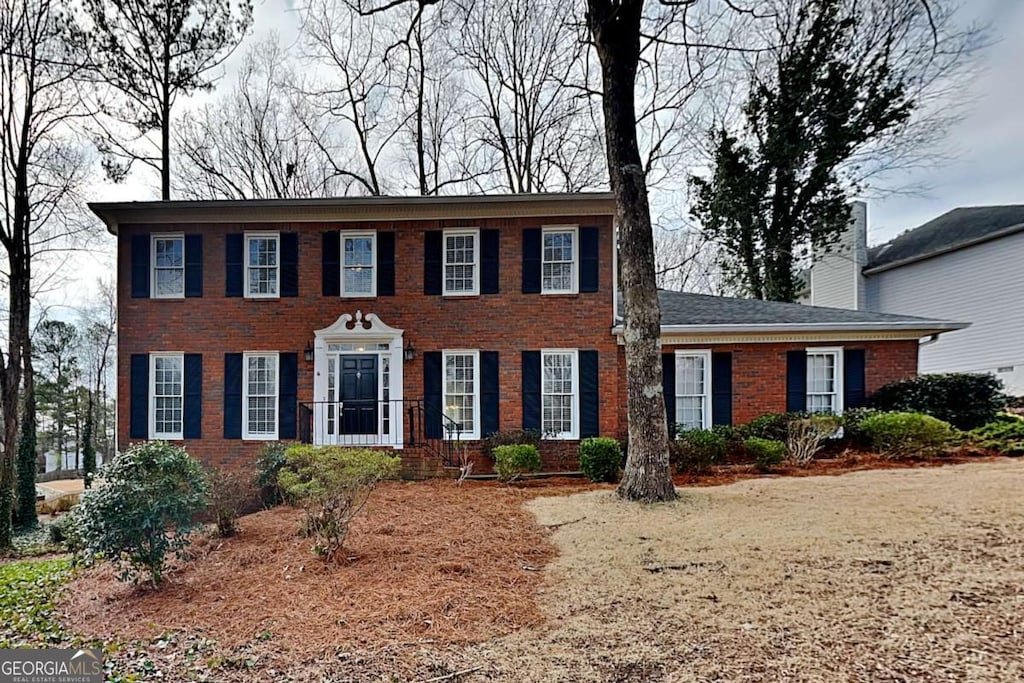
x,y
989,142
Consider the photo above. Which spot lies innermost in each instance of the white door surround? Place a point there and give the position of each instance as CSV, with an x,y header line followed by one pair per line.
x,y
360,334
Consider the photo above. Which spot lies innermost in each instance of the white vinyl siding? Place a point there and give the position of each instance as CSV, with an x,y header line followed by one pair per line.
x,y
166,395
560,393
259,400
559,260
168,260
262,265
358,264
693,389
462,392
461,262
825,380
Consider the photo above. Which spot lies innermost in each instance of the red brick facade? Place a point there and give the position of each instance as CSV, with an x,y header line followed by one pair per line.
x,y
508,323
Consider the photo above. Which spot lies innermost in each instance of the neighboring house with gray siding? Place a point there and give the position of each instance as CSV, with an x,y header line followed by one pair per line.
x,y
967,264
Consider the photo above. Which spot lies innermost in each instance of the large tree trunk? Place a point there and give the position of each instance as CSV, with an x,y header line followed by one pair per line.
x,y
27,444
615,28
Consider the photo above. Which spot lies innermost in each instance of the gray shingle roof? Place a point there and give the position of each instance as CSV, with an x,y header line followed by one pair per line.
x,y
956,228
685,308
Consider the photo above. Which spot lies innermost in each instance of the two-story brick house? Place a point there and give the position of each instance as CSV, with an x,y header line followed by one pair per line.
x,y
417,322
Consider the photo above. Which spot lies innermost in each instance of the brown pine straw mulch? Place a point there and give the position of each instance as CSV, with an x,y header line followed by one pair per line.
x,y
427,563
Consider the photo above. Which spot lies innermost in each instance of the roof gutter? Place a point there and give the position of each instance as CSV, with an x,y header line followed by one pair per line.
x,y
925,327
1005,232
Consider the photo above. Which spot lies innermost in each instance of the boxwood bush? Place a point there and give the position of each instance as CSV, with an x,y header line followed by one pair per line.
x,y
146,508
600,459
901,435
514,460
694,451
766,453
771,426
964,400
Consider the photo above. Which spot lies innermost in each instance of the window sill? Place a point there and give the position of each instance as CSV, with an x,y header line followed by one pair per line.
x,y
259,437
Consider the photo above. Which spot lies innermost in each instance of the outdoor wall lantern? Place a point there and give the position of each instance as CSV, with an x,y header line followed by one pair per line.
x,y
308,353
409,352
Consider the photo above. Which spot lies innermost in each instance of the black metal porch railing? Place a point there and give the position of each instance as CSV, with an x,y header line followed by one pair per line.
x,y
406,422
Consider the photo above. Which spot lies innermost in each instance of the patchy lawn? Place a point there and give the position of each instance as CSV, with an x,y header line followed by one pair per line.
x,y
897,575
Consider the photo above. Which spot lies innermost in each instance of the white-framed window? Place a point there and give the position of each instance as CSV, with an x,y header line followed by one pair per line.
x,y
168,259
461,262
166,395
560,406
825,380
259,395
462,391
693,389
358,264
559,260
262,264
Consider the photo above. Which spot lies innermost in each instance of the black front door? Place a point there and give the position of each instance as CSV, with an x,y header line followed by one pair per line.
x,y
358,394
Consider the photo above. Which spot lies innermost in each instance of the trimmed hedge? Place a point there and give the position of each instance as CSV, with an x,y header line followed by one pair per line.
x,y
900,435
767,453
964,400
513,460
1005,434
694,451
601,459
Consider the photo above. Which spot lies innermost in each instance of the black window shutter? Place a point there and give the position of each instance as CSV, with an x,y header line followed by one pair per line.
x,y
289,264
330,263
590,412
432,394
139,411
193,419
531,389
854,378
232,396
288,396
721,388
140,266
590,262
490,262
234,264
432,264
531,260
490,393
796,381
385,264
193,265
668,385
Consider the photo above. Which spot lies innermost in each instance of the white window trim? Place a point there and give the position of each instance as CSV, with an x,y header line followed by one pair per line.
x,y
475,232
837,352
574,434
475,433
276,236
246,436
152,264
574,229
347,234
706,355
153,434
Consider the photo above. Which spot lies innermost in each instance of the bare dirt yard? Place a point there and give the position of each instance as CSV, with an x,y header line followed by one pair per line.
x,y
894,575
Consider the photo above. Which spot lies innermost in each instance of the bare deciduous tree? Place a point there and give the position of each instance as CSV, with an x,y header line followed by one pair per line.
x,y
41,168
255,141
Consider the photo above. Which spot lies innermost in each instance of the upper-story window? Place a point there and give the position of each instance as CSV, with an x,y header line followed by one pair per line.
x,y
461,262
824,380
693,389
262,264
358,264
168,260
559,394
558,261
167,394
